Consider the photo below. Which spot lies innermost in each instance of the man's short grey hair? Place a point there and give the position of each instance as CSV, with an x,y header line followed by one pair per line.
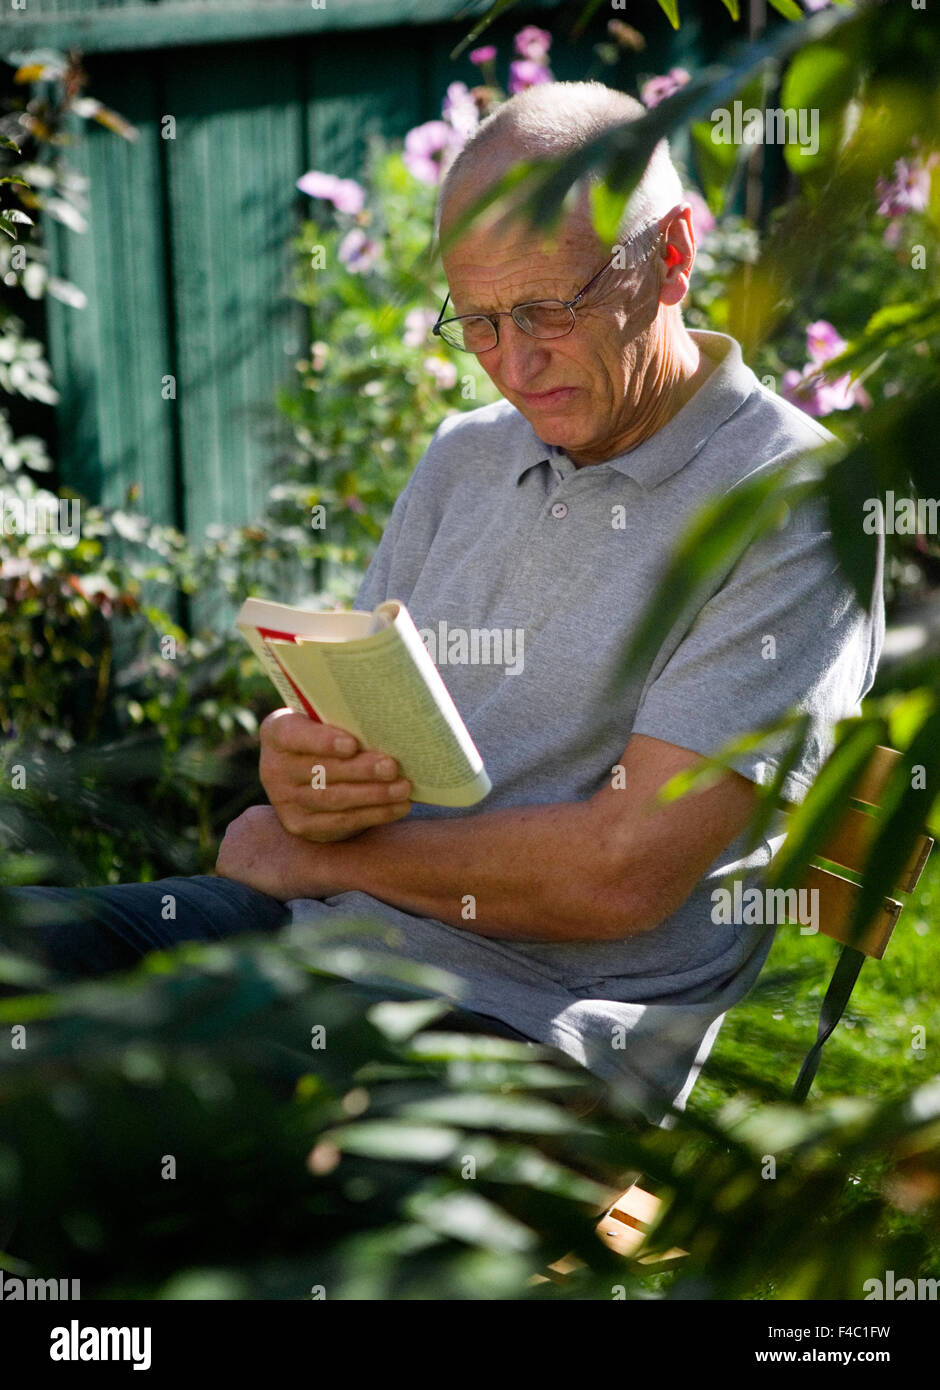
x,y
554,120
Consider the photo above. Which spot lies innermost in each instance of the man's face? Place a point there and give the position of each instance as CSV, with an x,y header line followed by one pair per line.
x,y
578,392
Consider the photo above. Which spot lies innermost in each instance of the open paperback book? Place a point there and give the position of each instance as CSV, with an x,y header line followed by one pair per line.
x,y
371,674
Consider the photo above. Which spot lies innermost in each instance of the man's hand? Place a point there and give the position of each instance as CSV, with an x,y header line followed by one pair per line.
x,y
321,785
257,850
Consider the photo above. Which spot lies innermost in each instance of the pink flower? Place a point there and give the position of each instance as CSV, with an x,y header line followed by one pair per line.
x,y
533,43
418,323
702,219
814,396
526,73
444,373
908,191
348,196
657,89
460,110
357,252
823,342
426,149
481,56
892,236
345,194
317,185
809,390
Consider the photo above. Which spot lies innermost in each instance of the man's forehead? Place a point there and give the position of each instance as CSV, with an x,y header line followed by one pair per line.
x,y
517,247
494,221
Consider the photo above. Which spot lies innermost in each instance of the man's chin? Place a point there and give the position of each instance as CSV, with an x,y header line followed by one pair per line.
x,y
554,427
561,434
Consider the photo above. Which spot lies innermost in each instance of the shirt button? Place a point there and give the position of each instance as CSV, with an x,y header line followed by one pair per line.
x,y
559,510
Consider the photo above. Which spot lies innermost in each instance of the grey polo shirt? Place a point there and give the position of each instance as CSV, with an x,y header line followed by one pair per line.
x,y
498,531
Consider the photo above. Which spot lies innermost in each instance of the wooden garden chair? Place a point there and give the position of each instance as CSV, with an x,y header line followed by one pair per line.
x,y
625,1222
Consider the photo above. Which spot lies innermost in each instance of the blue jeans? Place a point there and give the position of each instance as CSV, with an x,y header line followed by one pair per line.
x,y
80,932
91,931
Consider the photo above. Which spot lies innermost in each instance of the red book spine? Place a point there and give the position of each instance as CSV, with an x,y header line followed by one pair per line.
x,y
268,634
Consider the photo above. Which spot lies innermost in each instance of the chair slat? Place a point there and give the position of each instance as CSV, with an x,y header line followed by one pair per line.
x,y
917,864
871,785
625,1226
837,899
850,845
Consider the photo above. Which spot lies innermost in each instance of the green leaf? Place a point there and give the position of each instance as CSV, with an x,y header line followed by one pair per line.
x,y
498,7
670,9
890,329
715,163
848,485
390,1139
581,23
820,79
788,8
906,807
813,820
491,1112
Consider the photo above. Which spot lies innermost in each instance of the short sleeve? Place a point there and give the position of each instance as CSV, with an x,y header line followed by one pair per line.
x,y
784,632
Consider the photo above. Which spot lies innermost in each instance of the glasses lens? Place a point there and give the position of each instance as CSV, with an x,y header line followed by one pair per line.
x,y
470,334
547,318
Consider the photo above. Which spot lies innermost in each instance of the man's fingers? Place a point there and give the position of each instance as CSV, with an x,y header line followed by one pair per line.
x,y
323,827
349,796
304,770
285,731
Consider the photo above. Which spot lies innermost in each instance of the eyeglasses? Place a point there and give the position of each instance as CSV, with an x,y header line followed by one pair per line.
x,y
540,318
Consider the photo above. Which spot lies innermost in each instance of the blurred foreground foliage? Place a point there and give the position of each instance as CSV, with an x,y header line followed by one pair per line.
x,y
235,1122
346,1168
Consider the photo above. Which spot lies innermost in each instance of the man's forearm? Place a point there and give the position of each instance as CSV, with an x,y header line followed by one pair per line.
x,y
532,872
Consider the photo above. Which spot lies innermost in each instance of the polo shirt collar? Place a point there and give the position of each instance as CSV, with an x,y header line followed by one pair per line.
x,y
681,438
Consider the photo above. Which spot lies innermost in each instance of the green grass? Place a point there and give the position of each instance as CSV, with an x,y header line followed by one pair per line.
x,y
870,1054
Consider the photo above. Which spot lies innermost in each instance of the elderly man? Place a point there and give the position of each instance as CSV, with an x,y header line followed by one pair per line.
x,y
565,907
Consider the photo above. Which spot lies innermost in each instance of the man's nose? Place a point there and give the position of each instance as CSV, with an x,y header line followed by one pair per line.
x,y
521,358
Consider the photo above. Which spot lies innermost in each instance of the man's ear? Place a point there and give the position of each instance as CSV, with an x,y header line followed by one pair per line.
x,y
678,254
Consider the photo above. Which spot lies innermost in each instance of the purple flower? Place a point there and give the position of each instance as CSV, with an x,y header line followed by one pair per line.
x,y
657,89
482,56
817,397
533,43
349,196
813,5
702,219
908,191
444,373
892,236
823,342
809,390
460,110
418,323
426,149
317,185
357,252
345,194
525,73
